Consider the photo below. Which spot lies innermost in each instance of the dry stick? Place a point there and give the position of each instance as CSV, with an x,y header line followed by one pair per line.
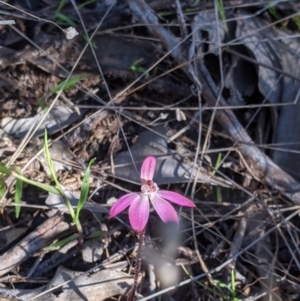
x,y
180,17
262,167
185,36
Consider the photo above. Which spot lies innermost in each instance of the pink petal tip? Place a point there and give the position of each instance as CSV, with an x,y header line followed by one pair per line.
x,y
139,213
148,168
122,203
176,198
165,210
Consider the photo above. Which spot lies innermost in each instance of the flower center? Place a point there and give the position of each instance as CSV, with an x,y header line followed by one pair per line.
x,y
149,187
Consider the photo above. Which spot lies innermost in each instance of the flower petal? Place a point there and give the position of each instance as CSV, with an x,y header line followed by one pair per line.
x,y
139,213
175,198
165,210
122,203
148,168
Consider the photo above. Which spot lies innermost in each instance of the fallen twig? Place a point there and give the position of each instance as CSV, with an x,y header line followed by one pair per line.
x,y
261,166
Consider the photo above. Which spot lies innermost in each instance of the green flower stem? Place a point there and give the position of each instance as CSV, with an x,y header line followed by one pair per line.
x,y
80,232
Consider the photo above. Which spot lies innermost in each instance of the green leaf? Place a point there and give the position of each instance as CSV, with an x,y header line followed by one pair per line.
x,y
220,284
296,19
2,186
57,245
18,194
232,288
45,187
60,6
93,44
217,164
219,194
135,67
5,170
49,160
53,174
42,104
85,3
273,11
64,18
65,84
85,186
98,233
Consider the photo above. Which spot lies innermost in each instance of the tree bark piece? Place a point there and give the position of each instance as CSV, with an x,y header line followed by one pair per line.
x,y
33,243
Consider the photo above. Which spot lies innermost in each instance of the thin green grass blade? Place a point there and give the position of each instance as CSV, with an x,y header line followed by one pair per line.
x,y
220,6
52,171
49,160
65,84
84,188
232,288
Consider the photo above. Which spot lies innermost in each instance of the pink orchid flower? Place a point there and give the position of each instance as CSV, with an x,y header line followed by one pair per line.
x,y
139,203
